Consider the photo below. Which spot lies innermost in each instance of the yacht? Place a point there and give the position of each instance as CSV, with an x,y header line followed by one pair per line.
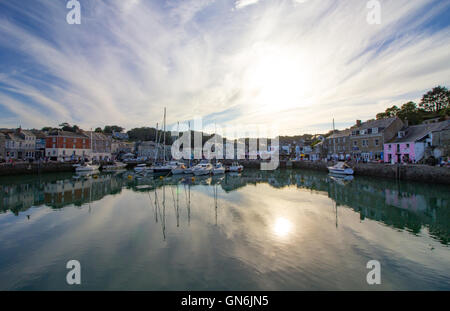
x,y
88,167
218,169
202,169
236,167
341,168
179,169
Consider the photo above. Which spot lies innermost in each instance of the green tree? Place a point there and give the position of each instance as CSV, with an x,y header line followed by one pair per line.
x,y
410,112
109,129
98,130
436,100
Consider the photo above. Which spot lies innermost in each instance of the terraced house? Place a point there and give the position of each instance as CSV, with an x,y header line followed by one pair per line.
x,y
63,145
338,145
19,144
101,146
367,139
2,146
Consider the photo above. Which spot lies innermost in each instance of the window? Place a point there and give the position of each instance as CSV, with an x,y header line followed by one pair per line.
x,y
355,143
377,142
64,152
407,146
54,139
390,147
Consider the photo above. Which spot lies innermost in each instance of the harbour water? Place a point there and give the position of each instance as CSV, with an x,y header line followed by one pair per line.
x,y
281,230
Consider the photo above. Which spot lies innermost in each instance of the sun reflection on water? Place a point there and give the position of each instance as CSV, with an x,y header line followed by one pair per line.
x,y
282,227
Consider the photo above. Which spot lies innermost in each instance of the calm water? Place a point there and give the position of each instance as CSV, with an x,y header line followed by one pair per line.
x,y
283,230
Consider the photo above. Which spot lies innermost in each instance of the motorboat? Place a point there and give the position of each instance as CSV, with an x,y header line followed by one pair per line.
x,y
218,169
202,169
88,167
341,168
236,167
166,168
117,166
189,170
179,169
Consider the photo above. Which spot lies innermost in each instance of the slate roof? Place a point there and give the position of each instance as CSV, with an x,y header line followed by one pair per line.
x,y
67,134
382,123
417,132
343,133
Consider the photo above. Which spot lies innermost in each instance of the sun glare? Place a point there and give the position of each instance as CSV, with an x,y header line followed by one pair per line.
x,y
277,79
282,227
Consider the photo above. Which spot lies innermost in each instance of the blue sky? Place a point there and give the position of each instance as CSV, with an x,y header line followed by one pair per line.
x,y
291,64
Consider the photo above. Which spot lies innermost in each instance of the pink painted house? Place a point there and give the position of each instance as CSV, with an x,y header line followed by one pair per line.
x,y
411,142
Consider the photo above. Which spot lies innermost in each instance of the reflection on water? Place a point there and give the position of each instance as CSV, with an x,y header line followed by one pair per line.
x,y
287,229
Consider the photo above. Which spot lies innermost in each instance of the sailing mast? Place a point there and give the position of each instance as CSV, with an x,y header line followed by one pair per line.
x,y
164,133
156,143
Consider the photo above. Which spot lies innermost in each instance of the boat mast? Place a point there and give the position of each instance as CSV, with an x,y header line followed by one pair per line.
x,y
164,133
156,142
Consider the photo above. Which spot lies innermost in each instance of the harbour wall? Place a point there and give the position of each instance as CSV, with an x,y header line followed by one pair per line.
x,y
7,169
422,173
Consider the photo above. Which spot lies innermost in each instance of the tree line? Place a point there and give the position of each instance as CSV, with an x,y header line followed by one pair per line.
x,y
434,104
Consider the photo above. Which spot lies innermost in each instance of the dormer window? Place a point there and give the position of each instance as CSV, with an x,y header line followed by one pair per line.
x,y
401,134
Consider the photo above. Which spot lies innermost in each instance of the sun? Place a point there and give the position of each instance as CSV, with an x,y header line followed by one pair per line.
x,y
277,79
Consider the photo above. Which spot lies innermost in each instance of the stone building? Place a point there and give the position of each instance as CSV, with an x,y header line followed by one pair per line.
x,y
100,146
367,139
2,146
19,144
338,145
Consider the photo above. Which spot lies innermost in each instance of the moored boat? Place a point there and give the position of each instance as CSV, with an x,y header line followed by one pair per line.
x,y
341,168
218,169
236,167
202,169
88,167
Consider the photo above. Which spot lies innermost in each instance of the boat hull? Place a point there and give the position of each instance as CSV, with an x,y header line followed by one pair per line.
x,y
347,171
201,172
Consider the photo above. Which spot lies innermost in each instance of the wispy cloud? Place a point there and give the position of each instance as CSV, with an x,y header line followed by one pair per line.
x,y
243,3
287,62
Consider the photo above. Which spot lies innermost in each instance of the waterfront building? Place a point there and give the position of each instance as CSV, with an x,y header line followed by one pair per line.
x,y
367,139
19,144
66,146
148,149
39,151
121,147
338,145
101,146
415,143
2,146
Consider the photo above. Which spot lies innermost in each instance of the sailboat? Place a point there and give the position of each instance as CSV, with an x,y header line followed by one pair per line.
x,y
165,168
87,167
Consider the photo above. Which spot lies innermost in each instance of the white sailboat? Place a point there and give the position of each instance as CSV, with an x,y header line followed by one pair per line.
x,y
203,168
218,169
236,167
87,167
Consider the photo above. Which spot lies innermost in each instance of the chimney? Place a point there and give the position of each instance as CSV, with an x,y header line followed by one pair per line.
x,y
358,122
406,122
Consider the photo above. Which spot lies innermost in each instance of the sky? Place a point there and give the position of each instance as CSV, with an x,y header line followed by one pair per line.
x,y
290,64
